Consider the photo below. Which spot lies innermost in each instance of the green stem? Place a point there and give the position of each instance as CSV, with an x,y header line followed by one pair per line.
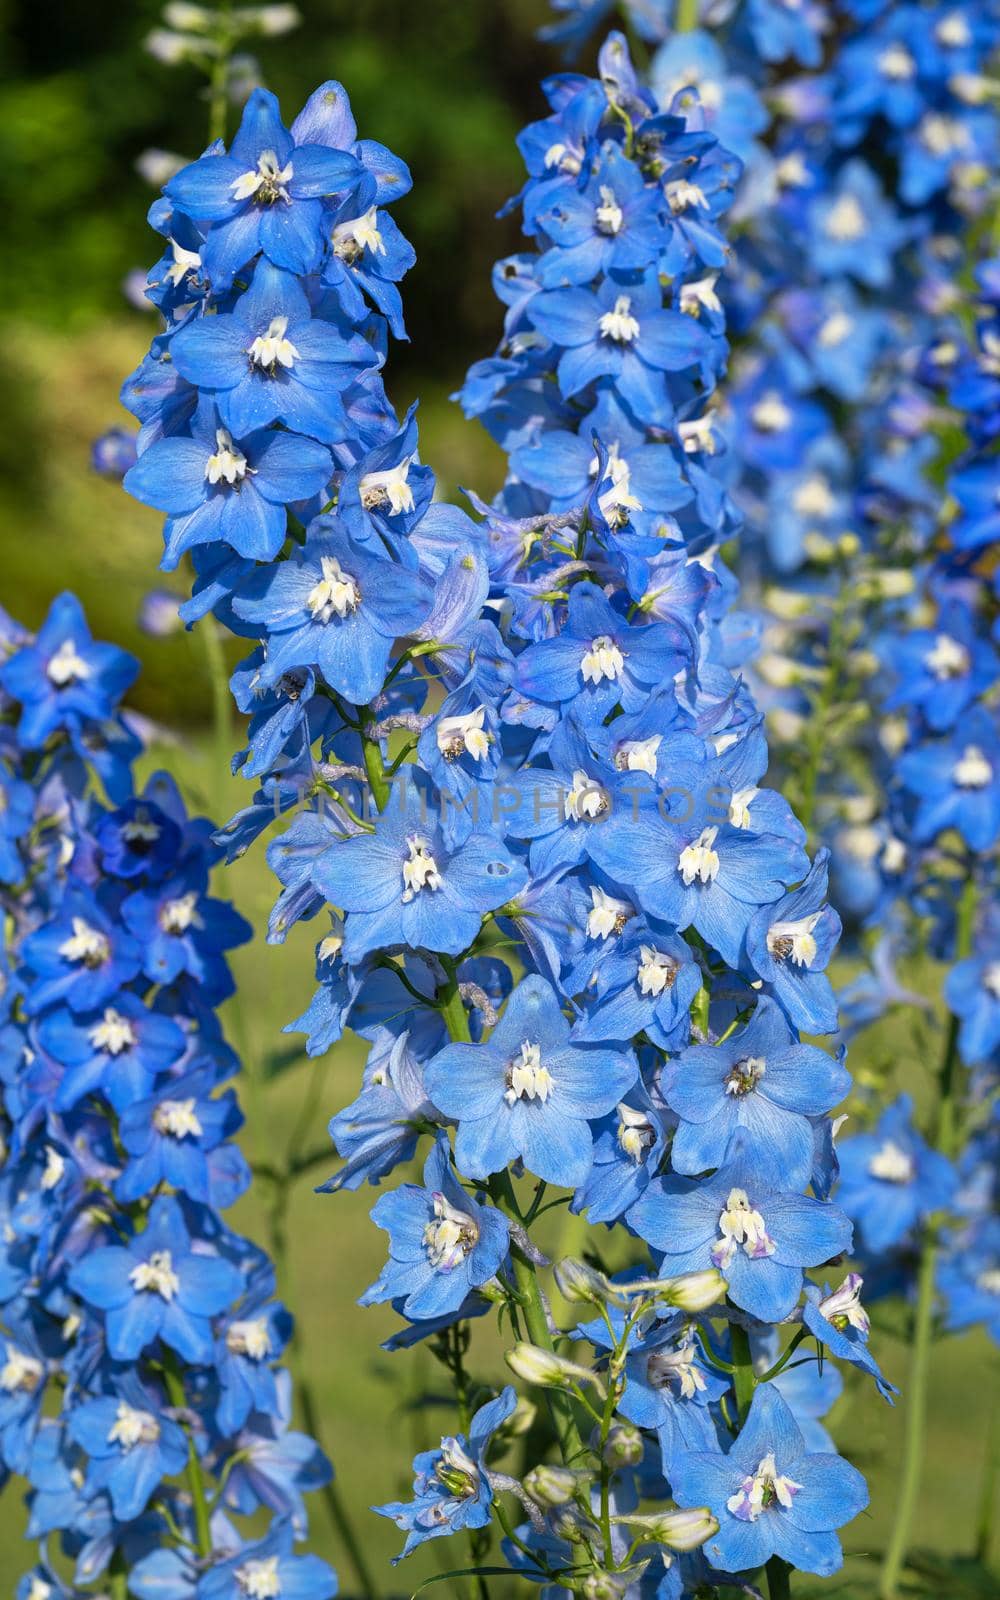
x,y
988,1487
375,768
686,16
916,1420
744,1380
222,739
456,1340
195,1476
778,1579
218,81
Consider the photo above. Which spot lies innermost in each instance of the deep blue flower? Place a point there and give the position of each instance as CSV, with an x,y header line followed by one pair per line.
x,y
266,194
956,782
442,1243
131,1445
770,1496
529,1092
450,1487
83,956
63,679
972,993
269,1566
890,1179
788,945
169,1136
758,1234
116,1051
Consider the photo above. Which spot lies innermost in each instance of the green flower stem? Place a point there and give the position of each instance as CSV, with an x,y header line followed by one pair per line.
x,y
195,1477
923,1326
218,81
375,768
991,1475
686,17
218,680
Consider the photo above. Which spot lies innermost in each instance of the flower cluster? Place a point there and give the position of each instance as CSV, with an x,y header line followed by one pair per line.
x,y
564,911
139,1393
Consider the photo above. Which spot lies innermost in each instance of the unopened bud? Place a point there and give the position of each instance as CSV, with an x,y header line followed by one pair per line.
x,y
550,1485
680,1530
570,1525
605,1585
695,1291
547,1370
623,1446
188,18
583,1285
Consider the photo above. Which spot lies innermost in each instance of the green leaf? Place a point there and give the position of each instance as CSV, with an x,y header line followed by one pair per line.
x,y
462,1572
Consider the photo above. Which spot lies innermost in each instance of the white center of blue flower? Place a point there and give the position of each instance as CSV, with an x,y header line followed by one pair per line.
x,y
667,1369
607,915
132,1427
20,1373
272,349
602,660
141,829
814,497
741,1224
947,658
457,1472
699,862
844,1309
259,1579
953,31
351,239
388,488
656,971
892,1164
450,1236
896,62
619,323
943,136
617,500
178,1119
464,735
527,1078
156,1276
55,1166
972,770
177,916
845,220
991,979
770,414
86,945
793,941
638,755
335,594
745,1075
250,1338
114,1033
609,215
700,295
989,1280
739,806
420,870
184,261
265,183
585,800
67,666
635,1134
761,1491
682,195
835,330
227,464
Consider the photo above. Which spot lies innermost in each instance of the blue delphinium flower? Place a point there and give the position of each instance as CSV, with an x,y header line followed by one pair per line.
x,y
63,678
770,1495
891,1178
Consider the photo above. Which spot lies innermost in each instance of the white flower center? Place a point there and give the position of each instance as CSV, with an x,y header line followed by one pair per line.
x,y
619,323
638,755
991,978
770,414
332,945
464,735
697,436
66,666
184,261
682,195
39,1590
762,1490
228,464
259,1580
450,1237
896,62
602,660
617,500
745,1075
953,30
740,802
335,594
527,1078
947,658
271,350
132,1427
352,239
972,770
20,1372
177,1118
843,1308
86,944
55,1166
845,220
892,1164
740,1224
665,1368
389,488
420,870
655,972
943,136
265,183
635,1135
814,498
609,214
607,915
989,1280
699,861
791,171
585,801
177,916
698,294
249,1339
835,330
114,1033
157,1275
141,829
793,941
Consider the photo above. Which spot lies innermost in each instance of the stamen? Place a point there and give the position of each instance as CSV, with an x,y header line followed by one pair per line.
x,y
527,1078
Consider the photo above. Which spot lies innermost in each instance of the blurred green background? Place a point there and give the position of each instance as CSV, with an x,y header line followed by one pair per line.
x,y
446,84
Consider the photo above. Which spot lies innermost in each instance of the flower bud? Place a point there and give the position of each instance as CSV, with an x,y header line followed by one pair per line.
x,y
679,1530
623,1446
549,1485
568,1524
695,1291
606,1585
547,1370
580,1284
